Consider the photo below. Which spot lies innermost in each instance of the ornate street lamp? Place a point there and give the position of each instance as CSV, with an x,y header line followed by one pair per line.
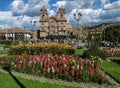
x,y
77,18
33,23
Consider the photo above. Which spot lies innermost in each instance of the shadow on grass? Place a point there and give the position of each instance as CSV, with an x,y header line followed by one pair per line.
x,y
6,68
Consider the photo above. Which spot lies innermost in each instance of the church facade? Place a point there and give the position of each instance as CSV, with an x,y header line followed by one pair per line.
x,y
54,25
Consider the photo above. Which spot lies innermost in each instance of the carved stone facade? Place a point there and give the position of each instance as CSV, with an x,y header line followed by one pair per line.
x,y
54,25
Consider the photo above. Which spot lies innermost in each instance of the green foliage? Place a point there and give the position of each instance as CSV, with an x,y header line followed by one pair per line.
x,y
94,42
4,52
5,42
112,33
79,52
94,52
112,69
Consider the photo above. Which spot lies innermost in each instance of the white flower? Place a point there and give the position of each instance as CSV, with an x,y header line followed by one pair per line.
x,y
53,70
48,70
65,65
78,66
20,61
73,67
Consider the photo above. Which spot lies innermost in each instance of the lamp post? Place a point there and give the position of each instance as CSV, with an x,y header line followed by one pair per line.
x,y
33,23
77,18
25,35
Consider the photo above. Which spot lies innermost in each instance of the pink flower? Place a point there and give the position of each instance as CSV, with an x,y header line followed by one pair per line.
x,y
91,73
73,73
66,73
57,70
44,69
18,65
66,69
103,74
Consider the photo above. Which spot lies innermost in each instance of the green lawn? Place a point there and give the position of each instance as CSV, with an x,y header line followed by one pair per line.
x,y
79,52
3,52
2,45
112,69
6,81
114,58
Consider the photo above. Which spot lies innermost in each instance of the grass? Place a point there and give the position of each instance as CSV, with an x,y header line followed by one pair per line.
x,y
114,58
2,45
79,52
112,69
3,52
6,81
28,81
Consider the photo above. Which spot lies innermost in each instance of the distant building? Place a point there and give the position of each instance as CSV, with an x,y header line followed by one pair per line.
x,y
54,25
15,34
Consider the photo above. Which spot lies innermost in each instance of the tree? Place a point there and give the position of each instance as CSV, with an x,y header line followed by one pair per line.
x,y
112,33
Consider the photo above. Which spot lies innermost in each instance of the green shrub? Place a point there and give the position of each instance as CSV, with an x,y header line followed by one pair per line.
x,y
5,42
94,52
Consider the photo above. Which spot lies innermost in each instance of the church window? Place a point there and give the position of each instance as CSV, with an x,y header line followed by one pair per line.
x,y
61,16
42,23
61,23
42,29
43,16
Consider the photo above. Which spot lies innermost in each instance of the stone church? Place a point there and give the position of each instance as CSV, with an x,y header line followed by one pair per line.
x,y
54,25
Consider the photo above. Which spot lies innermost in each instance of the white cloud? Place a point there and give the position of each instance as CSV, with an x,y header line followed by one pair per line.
x,y
24,12
51,12
59,3
104,2
31,8
107,12
6,19
114,5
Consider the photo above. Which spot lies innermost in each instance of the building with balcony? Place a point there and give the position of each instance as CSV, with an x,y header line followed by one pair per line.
x,y
15,34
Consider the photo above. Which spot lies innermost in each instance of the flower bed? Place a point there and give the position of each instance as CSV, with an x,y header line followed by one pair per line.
x,y
66,67
112,52
36,49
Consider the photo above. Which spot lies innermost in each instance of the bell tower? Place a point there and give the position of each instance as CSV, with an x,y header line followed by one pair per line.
x,y
61,18
44,19
61,14
43,14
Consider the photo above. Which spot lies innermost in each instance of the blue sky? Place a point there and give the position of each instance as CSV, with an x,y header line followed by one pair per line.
x,y
20,12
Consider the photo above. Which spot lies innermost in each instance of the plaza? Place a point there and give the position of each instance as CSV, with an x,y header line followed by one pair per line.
x,y
59,44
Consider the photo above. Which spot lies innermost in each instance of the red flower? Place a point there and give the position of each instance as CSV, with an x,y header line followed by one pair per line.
x,y
57,70
66,69
91,73
77,73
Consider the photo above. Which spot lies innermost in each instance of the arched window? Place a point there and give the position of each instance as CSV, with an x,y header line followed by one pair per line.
x,y
61,15
43,16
